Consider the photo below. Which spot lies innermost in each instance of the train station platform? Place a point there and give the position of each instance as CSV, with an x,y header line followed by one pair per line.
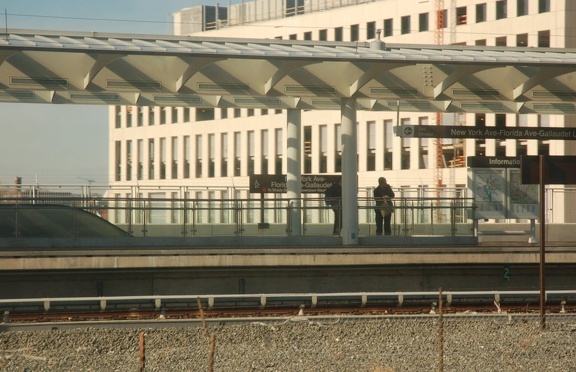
x,y
278,265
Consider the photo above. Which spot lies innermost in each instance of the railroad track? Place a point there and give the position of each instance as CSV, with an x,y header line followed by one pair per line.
x,y
68,317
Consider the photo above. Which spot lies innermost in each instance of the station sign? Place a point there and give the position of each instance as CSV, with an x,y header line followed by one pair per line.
x,y
495,183
277,183
447,131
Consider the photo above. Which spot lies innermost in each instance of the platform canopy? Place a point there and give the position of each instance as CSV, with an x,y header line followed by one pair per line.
x,y
152,70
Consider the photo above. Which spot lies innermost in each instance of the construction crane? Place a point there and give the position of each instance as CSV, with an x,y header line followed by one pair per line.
x,y
459,118
439,164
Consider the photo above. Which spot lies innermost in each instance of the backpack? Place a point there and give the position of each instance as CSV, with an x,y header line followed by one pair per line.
x,y
330,194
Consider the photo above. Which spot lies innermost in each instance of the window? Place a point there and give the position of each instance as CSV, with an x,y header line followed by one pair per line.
x,y
480,13
522,40
405,25
128,116
174,145
279,145
211,155
461,16
544,39
140,156
117,117
307,149
174,115
293,37
388,143
128,160
501,41
371,30
151,116
237,112
198,155
501,9
294,7
388,27
323,35
251,151
543,6
338,34
250,112
371,142
323,148
223,113
162,115
521,8
481,42
151,159
140,116
354,33
405,149
186,114
308,35
544,145
162,158
186,156
500,120
224,155
203,114
424,145
237,153
423,22
118,160
265,154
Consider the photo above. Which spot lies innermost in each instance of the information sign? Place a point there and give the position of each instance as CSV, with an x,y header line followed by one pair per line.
x,y
277,183
457,131
498,191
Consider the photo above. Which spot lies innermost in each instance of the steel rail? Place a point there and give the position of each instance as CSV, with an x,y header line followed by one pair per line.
x,y
311,299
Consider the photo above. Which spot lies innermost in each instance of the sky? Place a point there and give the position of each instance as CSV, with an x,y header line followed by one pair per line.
x,y
68,144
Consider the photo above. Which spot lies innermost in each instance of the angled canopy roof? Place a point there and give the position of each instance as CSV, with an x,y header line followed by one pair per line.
x,y
149,70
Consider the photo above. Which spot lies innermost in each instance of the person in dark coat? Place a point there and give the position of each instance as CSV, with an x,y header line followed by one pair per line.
x,y
383,195
333,198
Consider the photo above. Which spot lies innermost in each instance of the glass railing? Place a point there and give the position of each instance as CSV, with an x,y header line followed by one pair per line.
x,y
92,216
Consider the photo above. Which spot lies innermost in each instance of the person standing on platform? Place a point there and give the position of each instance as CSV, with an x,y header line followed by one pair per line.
x,y
383,195
333,198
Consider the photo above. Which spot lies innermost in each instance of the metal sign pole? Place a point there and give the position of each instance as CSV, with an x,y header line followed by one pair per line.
x,y
542,245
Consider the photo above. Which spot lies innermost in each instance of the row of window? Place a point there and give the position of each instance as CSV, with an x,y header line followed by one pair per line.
x,y
141,116
406,26
226,158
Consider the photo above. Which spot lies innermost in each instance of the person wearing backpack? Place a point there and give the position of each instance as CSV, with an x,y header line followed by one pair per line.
x,y
383,195
333,198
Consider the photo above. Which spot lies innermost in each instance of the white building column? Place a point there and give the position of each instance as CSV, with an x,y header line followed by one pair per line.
x,y
349,172
294,167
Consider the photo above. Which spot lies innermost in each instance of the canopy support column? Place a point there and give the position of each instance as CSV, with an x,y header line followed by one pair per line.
x,y
293,163
349,172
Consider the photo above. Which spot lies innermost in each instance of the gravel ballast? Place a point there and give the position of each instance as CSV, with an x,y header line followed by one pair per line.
x,y
302,344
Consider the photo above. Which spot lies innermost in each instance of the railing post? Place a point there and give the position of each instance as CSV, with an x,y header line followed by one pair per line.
x,y
74,223
289,218
184,215
144,219
237,216
130,211
16,213
452,218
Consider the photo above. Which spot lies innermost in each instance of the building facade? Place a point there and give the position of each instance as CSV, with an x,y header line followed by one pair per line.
x,y
212,151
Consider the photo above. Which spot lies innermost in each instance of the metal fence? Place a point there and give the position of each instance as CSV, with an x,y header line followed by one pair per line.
x,y
189,212
200,211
